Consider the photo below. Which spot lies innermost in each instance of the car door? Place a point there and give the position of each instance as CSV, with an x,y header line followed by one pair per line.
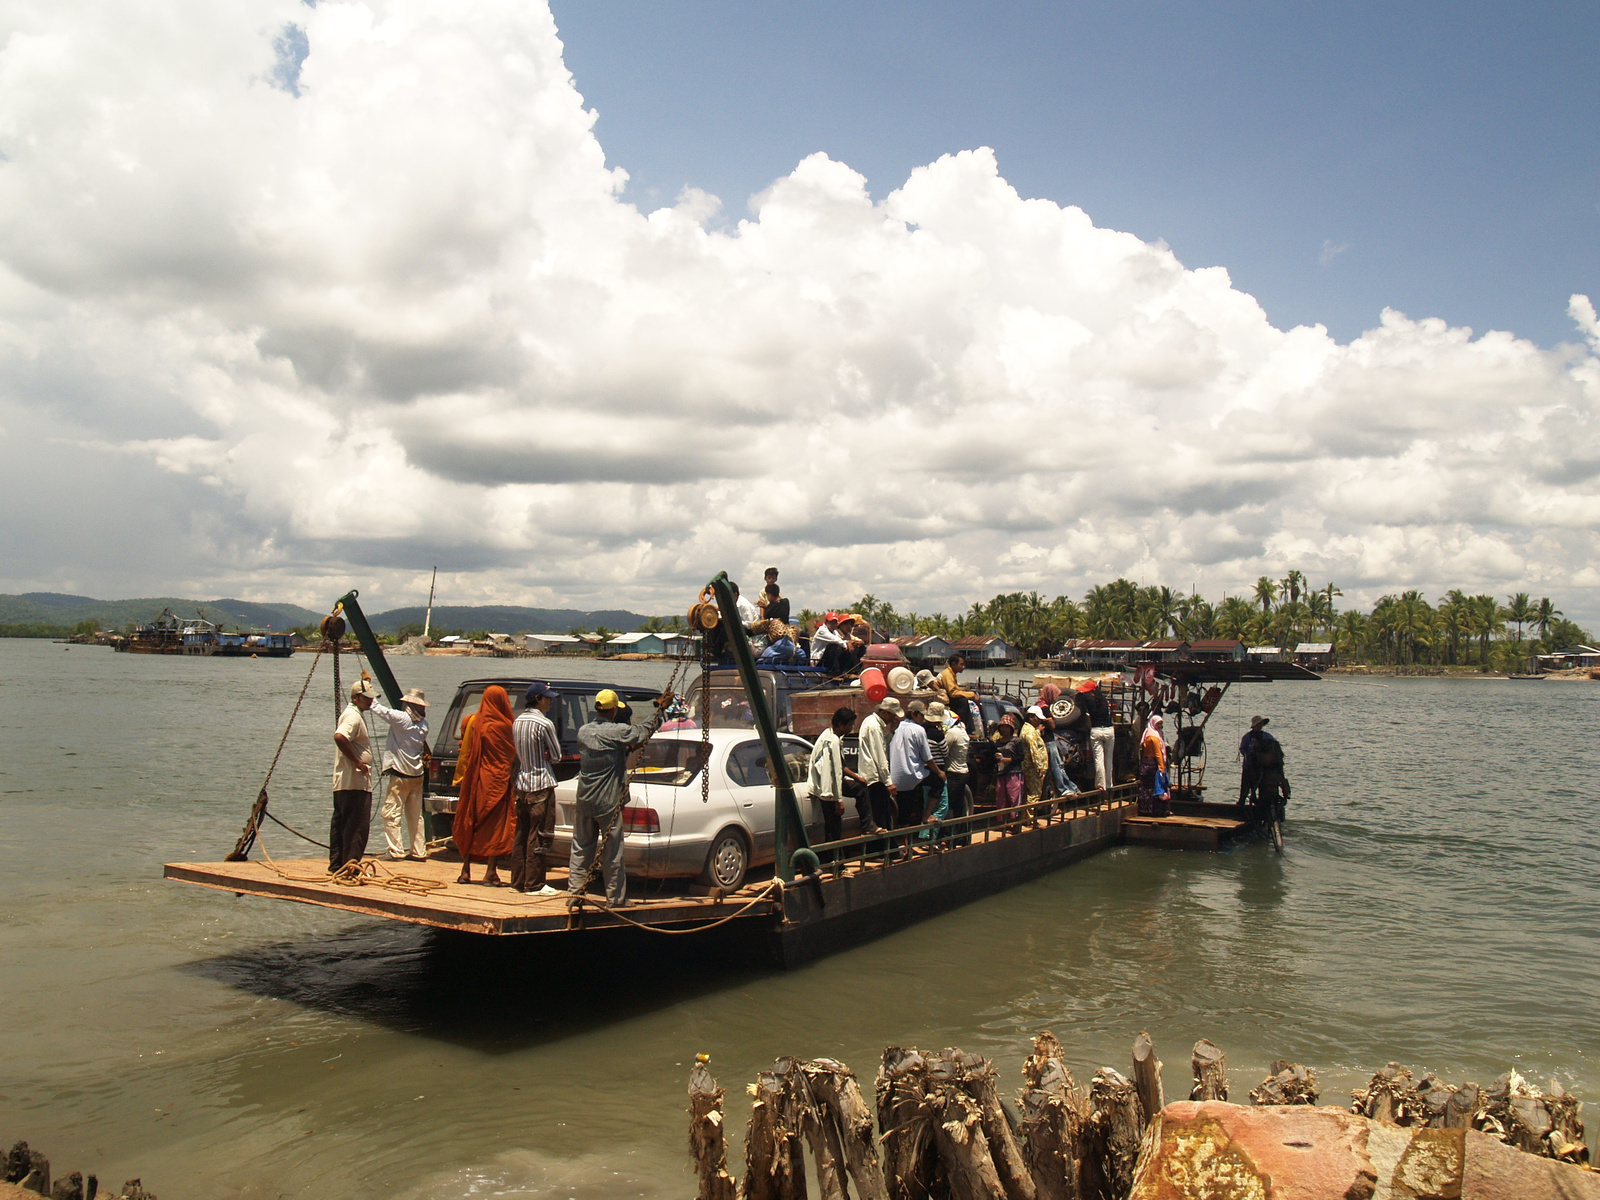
x,y
750,787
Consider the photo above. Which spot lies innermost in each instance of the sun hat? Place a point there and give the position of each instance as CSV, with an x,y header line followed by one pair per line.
x,y
606,698
1035,711
1258,722
537,690
414,696
936,711
916,707
363,687
891,706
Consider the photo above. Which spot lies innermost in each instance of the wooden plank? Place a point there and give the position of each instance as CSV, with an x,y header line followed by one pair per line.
x,y
1191,833
468,907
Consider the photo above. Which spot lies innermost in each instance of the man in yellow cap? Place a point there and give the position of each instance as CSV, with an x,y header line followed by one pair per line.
x,y
603,748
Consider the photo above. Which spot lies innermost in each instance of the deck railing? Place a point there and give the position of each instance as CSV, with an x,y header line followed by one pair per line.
x,y
890,846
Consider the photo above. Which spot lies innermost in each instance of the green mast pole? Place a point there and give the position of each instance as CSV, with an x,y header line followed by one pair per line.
x,y
789,828
369,646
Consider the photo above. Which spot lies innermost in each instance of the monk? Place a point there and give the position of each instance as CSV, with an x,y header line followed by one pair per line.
x,y
486,818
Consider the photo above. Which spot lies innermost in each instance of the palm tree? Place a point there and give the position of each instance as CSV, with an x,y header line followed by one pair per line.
x,y
1291,585
1544,615
1266,593
1519,611
1486,622
1233,618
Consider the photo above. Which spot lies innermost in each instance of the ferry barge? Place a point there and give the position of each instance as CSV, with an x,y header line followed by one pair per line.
x,y
821,898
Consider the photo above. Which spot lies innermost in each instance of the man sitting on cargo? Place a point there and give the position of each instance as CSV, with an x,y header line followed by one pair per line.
x,y
828,646
961,700
773,605
603,748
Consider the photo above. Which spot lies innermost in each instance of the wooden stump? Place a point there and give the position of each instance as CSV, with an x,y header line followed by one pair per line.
x,y
1288,1083
906,1124
1055,1124
801,1112
964,1151
773,1166
707,1144
1147,1077
1210,1068
974,1075
834,1085
1462,1107
1121,1120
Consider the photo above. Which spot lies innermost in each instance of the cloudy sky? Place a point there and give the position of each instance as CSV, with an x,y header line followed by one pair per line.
x,y
931,303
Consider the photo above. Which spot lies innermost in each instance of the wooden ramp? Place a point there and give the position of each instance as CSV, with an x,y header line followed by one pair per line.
x,y
1182,831
393,892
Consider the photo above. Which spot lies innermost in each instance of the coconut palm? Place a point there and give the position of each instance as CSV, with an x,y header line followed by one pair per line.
x,y
1266,593
1519,611
1234,617
1544,615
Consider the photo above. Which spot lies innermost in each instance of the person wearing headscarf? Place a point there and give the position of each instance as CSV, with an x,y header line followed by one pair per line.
x,y
1153,761
485,823
1008,756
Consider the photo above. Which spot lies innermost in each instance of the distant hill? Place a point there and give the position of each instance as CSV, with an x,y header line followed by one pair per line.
x,y
53,614
502,618
58,610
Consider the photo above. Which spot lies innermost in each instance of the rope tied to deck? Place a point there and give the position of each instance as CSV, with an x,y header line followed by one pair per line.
x,y
575,911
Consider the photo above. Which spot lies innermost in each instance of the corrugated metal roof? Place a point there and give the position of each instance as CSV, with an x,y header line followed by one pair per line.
x,y
1314,648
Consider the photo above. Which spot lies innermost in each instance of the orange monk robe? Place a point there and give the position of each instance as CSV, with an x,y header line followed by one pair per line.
x,y
486,818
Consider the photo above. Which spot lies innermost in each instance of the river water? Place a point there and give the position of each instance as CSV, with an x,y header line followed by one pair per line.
x,y
1437,903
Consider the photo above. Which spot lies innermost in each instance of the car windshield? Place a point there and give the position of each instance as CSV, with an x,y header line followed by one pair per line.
x,y
670,762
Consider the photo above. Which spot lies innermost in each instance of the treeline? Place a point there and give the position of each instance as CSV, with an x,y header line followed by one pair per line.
x,y
1403,629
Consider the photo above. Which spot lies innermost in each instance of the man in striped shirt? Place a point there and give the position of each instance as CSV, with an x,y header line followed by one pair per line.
x,y
538,750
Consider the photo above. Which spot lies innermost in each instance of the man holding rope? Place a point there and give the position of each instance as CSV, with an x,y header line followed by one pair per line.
x,y
603,748
352,780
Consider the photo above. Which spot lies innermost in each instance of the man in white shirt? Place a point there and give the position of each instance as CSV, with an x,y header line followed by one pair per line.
x,y
828,645
748,613
911,767
956,749
352,780
872,762
403,763
827,773
538,750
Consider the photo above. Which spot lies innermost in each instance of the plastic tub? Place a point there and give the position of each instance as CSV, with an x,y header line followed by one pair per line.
x,y
901,681
873,684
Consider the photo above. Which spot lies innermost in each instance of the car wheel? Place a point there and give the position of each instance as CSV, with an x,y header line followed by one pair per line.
x,y
727,862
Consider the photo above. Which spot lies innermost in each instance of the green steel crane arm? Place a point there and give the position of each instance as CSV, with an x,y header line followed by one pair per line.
x,y
369,646
789,827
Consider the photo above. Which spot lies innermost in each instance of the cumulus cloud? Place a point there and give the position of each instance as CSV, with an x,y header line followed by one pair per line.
x,y
354,288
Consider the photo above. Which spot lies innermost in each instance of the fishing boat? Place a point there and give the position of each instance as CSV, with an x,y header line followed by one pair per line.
x,y
821,897
198,637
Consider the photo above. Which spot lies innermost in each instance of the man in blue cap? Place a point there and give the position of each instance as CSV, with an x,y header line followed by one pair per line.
x,y
538,751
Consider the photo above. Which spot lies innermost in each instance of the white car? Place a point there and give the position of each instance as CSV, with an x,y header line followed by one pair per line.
x,y
671,828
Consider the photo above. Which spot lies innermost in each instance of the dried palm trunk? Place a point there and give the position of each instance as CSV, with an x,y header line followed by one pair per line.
x,y
958,1133
801,1112
834,1085
1210,1068
906,1124
976,1075
1121,1118
1056,1122
707,1144
1147,1077
774,1168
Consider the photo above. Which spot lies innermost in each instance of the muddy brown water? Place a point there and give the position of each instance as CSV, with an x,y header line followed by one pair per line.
x,y
1437,903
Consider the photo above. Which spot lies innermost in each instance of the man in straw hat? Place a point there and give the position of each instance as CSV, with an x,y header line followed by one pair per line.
x,y
603,748
352,779
1263,762
404,761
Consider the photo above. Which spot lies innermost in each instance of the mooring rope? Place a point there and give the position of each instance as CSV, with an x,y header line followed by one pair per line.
x,y
575,908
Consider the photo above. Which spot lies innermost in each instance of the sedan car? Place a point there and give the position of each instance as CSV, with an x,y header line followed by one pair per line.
x,y
673,827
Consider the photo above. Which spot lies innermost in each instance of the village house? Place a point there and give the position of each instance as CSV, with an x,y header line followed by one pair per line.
x,y
1314,656
984,651
924,650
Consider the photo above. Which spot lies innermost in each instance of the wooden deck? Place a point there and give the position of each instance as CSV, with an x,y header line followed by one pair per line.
x,y
472,908
1182,831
